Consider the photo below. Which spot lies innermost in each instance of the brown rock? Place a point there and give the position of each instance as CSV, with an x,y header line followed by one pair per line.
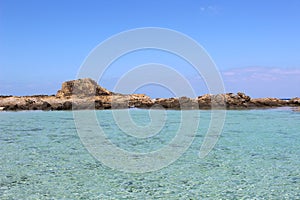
x,y
167,103
11,107
46,106
268,102
218,100
295,101
184,103
243,96
240,100
67,105
98,104
140,101
87,94
81,88
204,101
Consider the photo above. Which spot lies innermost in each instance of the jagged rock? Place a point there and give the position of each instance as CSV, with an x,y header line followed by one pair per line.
x,y
29,101
240,100
11,107
98,104
140,101
204,101
81,88
46,106
67,105
243,96
295,101
176,103
218,101
167,103
268,102
58,106
188,103
229,100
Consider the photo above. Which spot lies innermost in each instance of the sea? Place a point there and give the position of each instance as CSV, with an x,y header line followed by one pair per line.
x,y
256,156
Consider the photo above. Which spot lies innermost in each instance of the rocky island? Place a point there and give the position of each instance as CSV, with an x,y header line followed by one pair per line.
x,y
87,94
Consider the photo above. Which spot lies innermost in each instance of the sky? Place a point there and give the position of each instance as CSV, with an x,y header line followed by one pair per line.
x,y
254,44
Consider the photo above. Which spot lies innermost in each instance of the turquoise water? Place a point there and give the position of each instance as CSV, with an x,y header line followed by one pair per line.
x,y
256,157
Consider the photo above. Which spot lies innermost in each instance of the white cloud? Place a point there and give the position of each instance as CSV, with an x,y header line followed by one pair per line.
x,y
210,9
260,73
263,81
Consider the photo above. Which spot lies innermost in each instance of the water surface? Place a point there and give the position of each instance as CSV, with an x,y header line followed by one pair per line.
x,y
257,156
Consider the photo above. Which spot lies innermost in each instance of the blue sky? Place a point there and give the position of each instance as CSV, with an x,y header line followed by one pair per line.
x,y
255,44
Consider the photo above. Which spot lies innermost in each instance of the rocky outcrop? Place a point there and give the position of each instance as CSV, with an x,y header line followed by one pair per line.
x,y
269,102
239,100
87,94
176,103
295,101
81,88
207,101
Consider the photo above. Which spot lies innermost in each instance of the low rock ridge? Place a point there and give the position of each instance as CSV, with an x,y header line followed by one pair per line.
x,y
87,94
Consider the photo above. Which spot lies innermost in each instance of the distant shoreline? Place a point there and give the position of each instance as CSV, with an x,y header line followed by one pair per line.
x,y
85,93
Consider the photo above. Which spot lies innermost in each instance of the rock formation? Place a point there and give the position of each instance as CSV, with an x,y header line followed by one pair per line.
x,y
87,94
81,88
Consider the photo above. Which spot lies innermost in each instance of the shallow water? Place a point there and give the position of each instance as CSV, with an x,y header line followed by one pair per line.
x,y
256,157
